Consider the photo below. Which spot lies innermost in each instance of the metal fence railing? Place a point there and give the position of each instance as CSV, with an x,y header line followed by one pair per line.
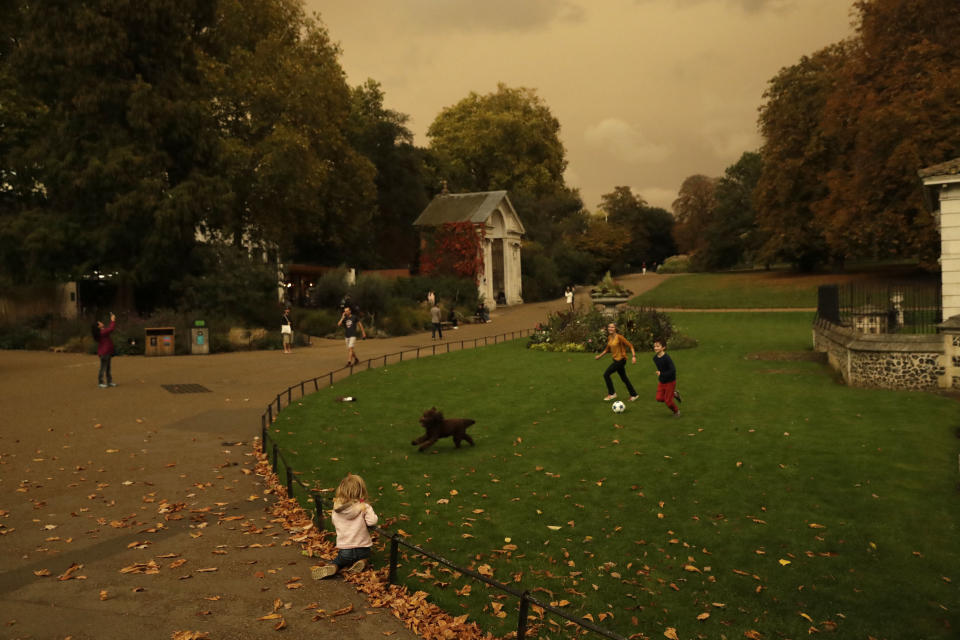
x,y
293,484
882,308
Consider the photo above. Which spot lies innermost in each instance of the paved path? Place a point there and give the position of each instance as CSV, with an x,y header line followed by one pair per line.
x,y
160,484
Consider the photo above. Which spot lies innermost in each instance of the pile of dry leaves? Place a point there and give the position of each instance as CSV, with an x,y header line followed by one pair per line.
x,y
423,618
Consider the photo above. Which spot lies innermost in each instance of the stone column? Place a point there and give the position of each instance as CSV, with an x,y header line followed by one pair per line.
x,y
950,330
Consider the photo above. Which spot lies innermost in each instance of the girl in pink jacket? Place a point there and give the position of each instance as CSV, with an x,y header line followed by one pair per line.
x,y
352,514
105,350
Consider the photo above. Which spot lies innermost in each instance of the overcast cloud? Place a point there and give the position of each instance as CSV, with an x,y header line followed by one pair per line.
x,y
647,92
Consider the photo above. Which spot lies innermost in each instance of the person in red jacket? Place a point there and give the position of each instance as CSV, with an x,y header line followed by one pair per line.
x,y
105,350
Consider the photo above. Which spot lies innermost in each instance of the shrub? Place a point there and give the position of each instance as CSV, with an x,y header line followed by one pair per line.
x,y
315,322
402,319
231,283
675,264
450,290
370,294
587,330
330,289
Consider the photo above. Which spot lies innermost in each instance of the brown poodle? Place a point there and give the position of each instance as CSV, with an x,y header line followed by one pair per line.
x,y
437,427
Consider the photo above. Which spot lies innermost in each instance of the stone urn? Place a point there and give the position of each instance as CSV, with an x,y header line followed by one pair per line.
x,y
608,302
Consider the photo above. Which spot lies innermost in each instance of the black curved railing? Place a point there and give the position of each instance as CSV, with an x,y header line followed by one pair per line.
x,y
275,456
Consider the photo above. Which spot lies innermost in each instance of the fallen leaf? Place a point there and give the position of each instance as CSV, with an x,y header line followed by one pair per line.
x,y
783,562
103,594
671,633
270,616
42,573
703,616
190,635
68,574
814,525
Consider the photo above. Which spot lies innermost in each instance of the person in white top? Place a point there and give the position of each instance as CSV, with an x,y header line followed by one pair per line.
x,y
351,516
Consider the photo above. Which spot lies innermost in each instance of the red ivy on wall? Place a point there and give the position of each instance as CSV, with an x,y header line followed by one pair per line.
x,y
454,248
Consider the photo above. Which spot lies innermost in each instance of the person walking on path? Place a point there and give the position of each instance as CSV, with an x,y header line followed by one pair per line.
x,y
568,296
435,319
666,377
105,350
352,514
617,345
286,331
350,325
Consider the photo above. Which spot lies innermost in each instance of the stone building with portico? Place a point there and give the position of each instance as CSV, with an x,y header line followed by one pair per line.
x,y
500,279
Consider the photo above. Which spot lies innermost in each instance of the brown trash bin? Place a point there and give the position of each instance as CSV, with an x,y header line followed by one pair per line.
x,y
160,341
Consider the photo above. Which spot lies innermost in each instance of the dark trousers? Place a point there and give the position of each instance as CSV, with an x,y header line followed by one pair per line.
x,y
437,329
620,366
105,370
346,557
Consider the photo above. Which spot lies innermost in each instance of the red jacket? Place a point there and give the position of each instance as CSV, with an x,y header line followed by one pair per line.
x,y
105,344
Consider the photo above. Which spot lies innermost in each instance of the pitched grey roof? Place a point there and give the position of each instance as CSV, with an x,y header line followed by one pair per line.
x,y
460,207
948,168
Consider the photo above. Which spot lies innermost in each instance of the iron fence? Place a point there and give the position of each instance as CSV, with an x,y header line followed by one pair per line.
x,y
294,485
893,307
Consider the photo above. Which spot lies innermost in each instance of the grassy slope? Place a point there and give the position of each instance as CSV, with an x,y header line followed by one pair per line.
x,y
751,290
764,450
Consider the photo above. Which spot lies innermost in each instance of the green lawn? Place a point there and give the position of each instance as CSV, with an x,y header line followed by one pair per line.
x,y
780,501
753,289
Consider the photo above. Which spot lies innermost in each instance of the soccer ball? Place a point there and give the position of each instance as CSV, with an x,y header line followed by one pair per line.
x,y
618,407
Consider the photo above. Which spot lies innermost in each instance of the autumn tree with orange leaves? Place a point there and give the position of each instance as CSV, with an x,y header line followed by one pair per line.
x,y
454,248
846,131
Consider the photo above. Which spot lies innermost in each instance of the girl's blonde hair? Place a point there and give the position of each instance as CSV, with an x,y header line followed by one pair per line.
x,y
352,489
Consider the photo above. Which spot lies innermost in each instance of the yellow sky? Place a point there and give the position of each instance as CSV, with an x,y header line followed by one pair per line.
x,y
647,92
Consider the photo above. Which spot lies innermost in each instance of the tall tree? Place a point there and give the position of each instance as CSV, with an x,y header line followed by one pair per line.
x,y
108,145
625,209
281,105
694,210
508,140
730,234
382,136
894,110
795,155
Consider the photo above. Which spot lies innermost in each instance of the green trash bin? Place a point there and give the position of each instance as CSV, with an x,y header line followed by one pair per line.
x,y
199,338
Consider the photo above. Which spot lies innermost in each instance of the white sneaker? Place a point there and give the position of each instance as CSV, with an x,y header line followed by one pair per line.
x,y
357,566
319,573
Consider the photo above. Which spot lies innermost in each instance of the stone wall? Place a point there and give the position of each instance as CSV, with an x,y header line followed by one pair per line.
x,y
884,361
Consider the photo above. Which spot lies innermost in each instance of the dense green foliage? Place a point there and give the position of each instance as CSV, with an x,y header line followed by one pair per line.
x,y
780,501
130,133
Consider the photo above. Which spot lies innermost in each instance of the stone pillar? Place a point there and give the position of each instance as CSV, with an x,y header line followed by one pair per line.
x,y
950,330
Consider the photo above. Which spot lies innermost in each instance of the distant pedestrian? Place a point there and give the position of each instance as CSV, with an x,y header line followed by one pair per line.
x,y
617,345
350,324
286,331
435,319
105,350
452,318
666,377
352,514
431,298
644,268
568,296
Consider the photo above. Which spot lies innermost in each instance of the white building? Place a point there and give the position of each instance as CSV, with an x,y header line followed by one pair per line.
x,y
500,279
944,181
